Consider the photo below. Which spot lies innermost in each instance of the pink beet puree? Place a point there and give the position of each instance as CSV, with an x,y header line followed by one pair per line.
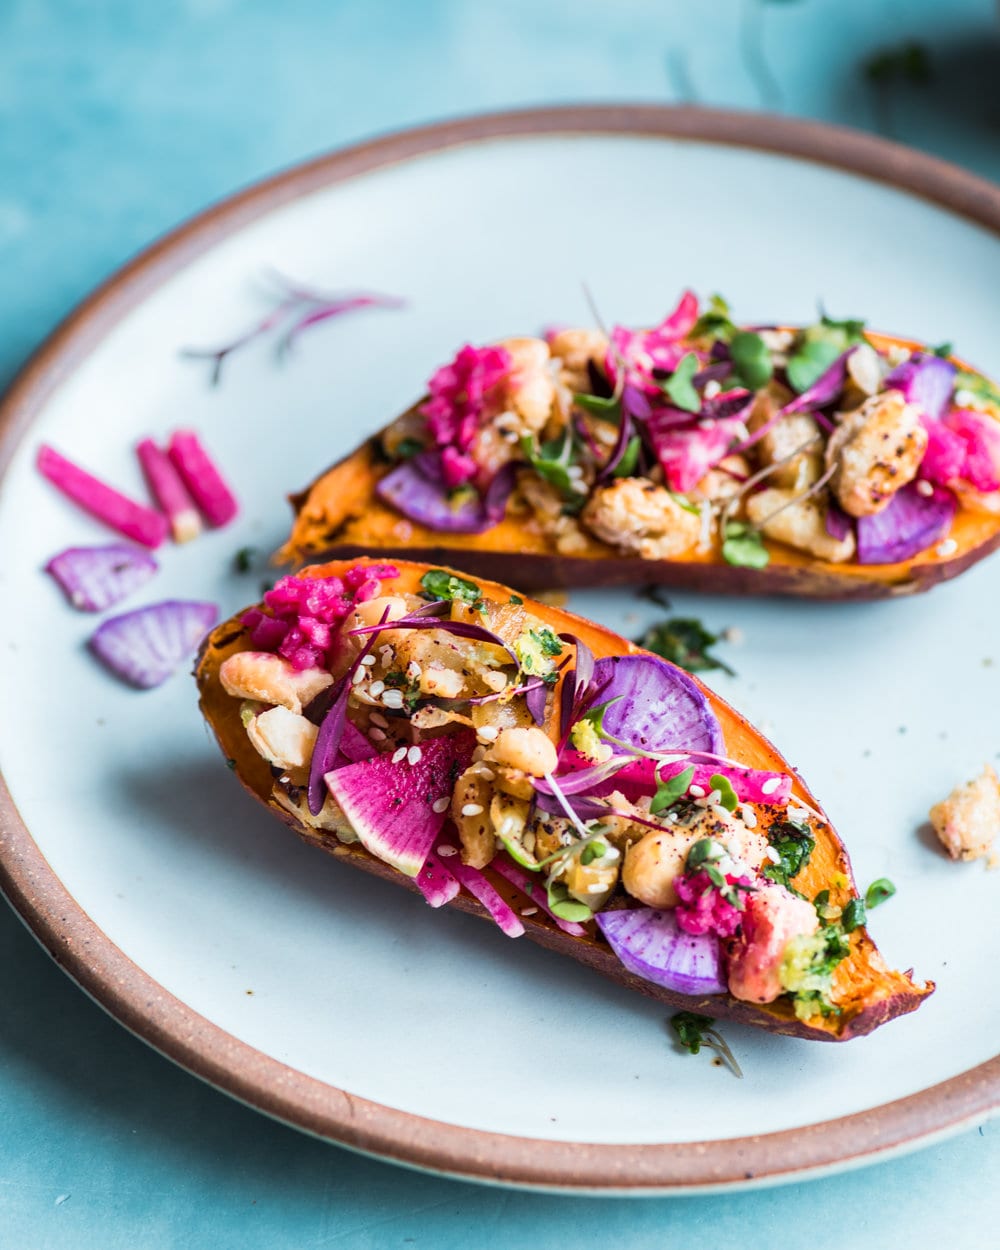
x,y
771,919
702,909
459,397
306,611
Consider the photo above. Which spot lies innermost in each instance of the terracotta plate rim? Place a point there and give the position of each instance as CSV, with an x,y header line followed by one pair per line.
x,y
135,999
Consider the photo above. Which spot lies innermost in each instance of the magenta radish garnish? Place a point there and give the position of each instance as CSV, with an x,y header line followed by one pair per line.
x,y
910,524
354,746
481,890
824,390
925,380
202,478
146,646
653,946
534,888
687,452
169,491
655,706
417,489
435,882
396,803
117,511
636,778
96,578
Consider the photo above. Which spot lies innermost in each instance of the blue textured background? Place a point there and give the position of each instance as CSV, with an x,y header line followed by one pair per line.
x,y
119,119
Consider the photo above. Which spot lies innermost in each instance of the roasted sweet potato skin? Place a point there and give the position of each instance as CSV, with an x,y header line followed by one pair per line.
x,y
340,516
870,993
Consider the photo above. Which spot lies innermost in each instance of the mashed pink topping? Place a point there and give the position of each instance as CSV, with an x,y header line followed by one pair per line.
x,y
702,909
306,611
772,918
964,446
459,398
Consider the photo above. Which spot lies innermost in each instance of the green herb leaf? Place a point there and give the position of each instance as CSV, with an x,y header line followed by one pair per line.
x,y
909,62
727,795
977,385
407,448
566,908
818,346
690,1029
596,714
943,350
630,458
440,584
743,546
878,892
715,322
684,641
679,387
853,915
592,851
752,362
547,640
609,409
705,852
668,792
794,844
552,461
516,600
244,558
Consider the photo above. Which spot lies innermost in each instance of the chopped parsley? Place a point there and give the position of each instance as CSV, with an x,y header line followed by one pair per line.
x,y
743,546
694,1031
243,560
807,969
684,641
794,844
440,584
407,448
854,915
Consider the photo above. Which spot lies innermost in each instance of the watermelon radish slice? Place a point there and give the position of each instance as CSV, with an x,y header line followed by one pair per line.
x,y
435,882
653,946
390,803
655,706
146,646
95,578
483,891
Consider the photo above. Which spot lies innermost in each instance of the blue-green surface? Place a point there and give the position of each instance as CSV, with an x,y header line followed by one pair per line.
x,y
117,120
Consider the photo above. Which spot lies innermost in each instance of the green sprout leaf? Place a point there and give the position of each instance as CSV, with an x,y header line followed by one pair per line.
x,y
684,641
440,584
668,792
715,322
566,908
878,892
630,458
694,1031
553,461
854,915
752,362
609,409
244,558
818,346
407,448
727,795
679,387
547,641
592,851
743,546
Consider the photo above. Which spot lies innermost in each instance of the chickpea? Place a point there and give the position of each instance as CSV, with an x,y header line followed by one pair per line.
x,y
530,750
652,864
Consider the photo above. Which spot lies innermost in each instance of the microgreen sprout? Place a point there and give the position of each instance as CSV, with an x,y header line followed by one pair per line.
x,y
684,641
668,792
694,1031
728,797
440,584
679,388
878,892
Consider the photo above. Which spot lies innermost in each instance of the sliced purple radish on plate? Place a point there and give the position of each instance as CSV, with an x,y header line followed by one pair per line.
x,y
910,524
146,646
96,578
653,946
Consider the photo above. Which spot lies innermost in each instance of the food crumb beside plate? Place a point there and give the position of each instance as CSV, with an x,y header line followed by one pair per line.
x,y
968,820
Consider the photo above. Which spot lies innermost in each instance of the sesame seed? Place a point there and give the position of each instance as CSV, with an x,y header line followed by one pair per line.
x,y
441,805
797,813
923,487
399,755
358,676
376,688
377,735
377,718
947,548
488,733
529,911
772,855
712,388
393,699
413,755
367,660
749,816
697,791
472,809
446,852
770,785
720,813
596,889
284,779
413,670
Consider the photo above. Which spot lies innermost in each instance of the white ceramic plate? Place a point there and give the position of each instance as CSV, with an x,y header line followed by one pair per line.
x,y
350,1008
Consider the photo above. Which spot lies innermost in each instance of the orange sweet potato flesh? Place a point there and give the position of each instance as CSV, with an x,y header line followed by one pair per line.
x,y
340,516
867,991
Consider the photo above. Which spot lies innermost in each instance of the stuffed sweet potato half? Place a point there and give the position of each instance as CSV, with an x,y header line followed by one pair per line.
x,y
826,461
521,763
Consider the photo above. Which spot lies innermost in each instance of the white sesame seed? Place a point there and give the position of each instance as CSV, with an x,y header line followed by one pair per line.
x,y
385,655
488,733
947,548
413,670
358,676
376,688
413,755
749,816
472,809
399,755
487,774
713,796
712,388
770,785
772,855
529,911
393,699
446,852
797,813
441,805
377,718
367,660
596,889
284,779
377,735
923,487
720,813
697,791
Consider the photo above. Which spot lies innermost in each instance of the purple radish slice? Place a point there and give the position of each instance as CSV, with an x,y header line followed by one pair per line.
x,y
96,578
652,945
910,524
146,646
657,707
354,746
395,806
416,488
435,882
535,889
481,890
925,380
837,523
